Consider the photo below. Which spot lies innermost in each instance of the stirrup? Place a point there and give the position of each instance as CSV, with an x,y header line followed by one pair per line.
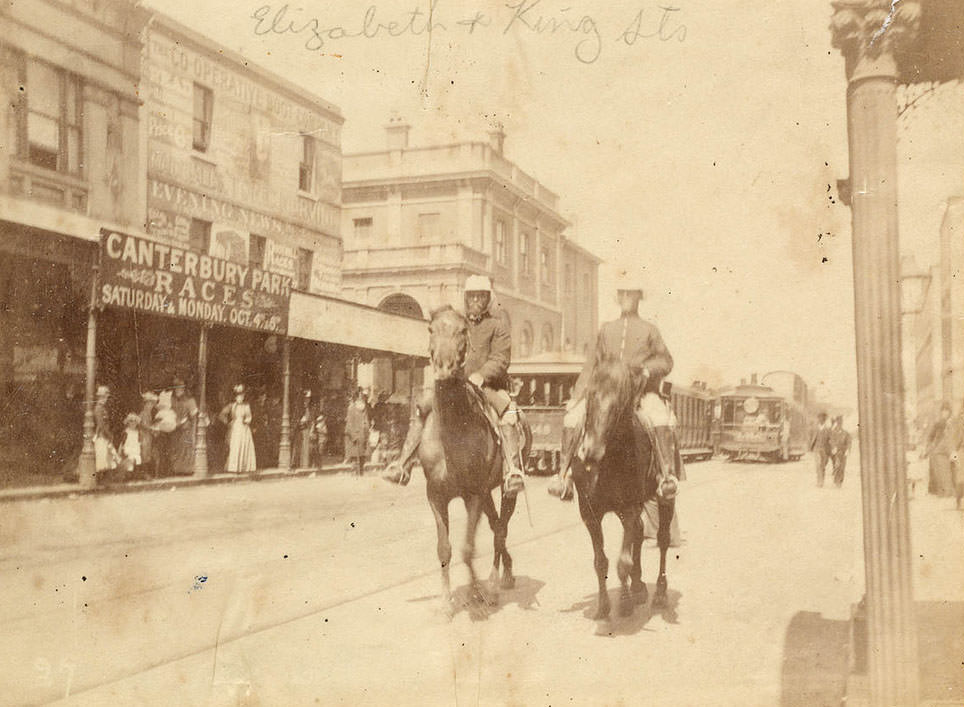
x,y
397,474
514,482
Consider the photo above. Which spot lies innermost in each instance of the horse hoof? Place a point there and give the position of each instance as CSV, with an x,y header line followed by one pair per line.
x,y
659,599
508,582
602,613
626,605
640,594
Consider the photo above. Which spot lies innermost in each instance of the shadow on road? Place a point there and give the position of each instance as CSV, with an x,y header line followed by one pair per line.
x,y
524,595
617,625
815,655
940,647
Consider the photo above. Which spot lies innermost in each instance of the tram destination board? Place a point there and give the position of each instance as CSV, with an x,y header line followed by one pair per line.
x,y
149,276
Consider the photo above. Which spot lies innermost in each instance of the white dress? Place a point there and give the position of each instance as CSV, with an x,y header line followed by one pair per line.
x,y
241,458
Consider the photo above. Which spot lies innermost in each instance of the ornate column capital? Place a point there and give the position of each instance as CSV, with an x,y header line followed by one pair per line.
x,y
868,31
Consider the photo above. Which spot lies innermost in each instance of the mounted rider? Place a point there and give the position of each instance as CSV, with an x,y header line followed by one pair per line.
x,y
486,366
637,343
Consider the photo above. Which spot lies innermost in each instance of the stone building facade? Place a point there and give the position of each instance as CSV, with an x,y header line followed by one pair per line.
x,y
418,221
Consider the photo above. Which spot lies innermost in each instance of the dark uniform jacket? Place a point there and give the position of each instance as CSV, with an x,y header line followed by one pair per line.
x,y
489,351
634,341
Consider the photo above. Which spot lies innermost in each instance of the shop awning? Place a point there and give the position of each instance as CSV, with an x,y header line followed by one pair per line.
x,y
320,318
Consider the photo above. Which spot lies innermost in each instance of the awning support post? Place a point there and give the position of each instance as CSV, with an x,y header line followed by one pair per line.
x,y
201,436
284,445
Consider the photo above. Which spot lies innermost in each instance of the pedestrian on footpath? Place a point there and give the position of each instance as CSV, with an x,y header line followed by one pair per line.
x,y
839,447
148,449
820,446
237,415
938,451
356,433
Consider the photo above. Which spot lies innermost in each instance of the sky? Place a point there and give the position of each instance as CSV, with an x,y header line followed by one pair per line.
x,y
697,148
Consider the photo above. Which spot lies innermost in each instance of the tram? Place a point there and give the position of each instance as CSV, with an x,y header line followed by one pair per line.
x,y
541,387
765,422
543,384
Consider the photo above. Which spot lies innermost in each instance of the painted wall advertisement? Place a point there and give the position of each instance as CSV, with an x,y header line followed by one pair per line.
x,y
137,273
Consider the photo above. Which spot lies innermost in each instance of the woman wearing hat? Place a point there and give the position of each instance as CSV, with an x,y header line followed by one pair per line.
x,y
148,450
105,455
237,416
182,439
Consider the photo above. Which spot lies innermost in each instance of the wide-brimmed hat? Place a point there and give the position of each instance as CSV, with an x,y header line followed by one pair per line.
x,y
102,391
238,389
307,394
149,396
132,418
178,382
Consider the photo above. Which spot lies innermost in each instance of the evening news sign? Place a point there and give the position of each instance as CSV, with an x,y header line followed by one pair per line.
x,y
136,273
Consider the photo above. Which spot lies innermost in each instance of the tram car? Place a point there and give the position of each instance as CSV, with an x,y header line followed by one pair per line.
x,y
543,384
766,421
541,387
693,407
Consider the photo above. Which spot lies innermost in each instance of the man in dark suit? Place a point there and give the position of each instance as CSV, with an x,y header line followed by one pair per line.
x,y
839,446
820,446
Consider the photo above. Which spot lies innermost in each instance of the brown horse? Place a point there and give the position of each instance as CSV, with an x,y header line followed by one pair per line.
x,y
461,457
616,471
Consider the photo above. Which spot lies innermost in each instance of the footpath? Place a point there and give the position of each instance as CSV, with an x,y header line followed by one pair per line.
x,y
74,490
937,541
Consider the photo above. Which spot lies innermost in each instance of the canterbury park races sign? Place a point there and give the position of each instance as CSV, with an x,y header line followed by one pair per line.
x,y
137,273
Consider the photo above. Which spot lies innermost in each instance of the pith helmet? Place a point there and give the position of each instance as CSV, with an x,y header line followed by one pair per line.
x,y
478,283
624,283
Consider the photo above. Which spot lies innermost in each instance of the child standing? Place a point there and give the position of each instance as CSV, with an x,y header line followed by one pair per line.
x,y
131,446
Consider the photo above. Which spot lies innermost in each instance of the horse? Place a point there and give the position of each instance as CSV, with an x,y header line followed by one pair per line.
x,y
461,457
616,471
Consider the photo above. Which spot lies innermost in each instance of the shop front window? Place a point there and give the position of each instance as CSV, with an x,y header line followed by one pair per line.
x,y
256,250
51,125
305,257
203,114
200,235
306,169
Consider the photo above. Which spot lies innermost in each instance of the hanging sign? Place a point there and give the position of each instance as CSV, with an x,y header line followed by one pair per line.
x,y
137,273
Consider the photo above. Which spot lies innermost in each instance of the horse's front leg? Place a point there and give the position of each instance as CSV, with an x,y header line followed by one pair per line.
x,y
506,510
666,511
440,510
600,563
498,541
638,586
624,566
473,508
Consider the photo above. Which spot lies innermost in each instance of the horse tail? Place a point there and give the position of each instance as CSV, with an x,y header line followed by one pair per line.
x,y
525,438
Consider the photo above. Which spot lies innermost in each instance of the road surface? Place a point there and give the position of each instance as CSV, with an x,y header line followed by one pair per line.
x,y
325,590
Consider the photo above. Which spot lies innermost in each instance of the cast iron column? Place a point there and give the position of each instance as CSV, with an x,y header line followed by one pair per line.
x,y
866,32
284,446
201,431
87,467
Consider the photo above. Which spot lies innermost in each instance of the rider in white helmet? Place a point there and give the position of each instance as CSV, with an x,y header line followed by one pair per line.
x,y
486,365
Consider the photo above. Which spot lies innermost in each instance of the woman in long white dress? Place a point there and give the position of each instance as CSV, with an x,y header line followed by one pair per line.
x,y
237,416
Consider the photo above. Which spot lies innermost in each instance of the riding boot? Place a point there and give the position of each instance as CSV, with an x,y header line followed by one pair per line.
x,y
664,439
400,470
511,473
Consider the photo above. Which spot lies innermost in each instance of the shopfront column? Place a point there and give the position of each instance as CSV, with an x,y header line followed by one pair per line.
x,y
867,31
201,438
87,467
284,446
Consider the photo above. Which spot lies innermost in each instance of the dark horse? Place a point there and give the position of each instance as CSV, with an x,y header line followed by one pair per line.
x,y
461,457
616,471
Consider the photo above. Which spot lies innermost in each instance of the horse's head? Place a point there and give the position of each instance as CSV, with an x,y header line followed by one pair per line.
x,y
447,342
608,398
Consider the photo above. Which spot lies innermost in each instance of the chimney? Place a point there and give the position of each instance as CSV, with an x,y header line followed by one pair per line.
x,y
743,381
497,137
753,379
396,133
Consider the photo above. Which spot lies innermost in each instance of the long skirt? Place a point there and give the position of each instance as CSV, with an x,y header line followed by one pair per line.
x,y
241,454
182,450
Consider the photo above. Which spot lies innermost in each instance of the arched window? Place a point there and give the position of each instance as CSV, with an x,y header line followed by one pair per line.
x,y
525,340
546,341
403,304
